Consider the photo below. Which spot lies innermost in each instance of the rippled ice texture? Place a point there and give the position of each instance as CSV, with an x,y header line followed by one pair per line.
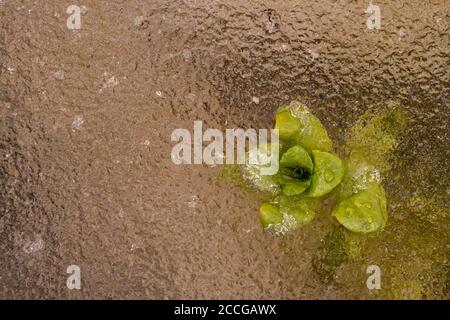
x,y
86,175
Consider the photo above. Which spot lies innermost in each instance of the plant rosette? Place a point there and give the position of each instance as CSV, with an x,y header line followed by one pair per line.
x,y
308,171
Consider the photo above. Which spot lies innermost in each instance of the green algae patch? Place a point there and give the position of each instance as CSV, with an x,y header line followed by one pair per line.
x,y
429,208
331,256
340,246
233,173
374,137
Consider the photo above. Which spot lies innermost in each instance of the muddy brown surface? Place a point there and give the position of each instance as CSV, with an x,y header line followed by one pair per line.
x,y
86,117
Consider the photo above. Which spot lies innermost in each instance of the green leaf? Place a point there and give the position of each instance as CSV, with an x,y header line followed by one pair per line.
x,y
270,215
292,187
297,125
289,127
296,167
303,210
252,172
314,135
365,211
328,173
296,157
287,213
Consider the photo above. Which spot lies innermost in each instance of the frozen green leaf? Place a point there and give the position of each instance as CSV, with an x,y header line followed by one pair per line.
x,y
252,172
297,125
296,157
270,215
303,210
289,127
365,211
296,167
327,174
292,187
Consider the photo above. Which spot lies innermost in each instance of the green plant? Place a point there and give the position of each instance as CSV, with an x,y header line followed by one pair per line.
x,y
308,172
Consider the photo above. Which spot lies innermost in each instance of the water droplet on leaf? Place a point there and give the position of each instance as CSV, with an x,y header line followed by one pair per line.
x,y
329,176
